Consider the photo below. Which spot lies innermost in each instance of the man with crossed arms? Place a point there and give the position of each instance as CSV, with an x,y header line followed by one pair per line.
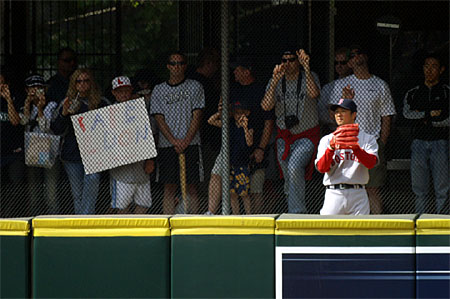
x,y
345,157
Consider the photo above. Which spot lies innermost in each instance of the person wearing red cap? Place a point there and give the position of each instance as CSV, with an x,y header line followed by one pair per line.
x,y
130,182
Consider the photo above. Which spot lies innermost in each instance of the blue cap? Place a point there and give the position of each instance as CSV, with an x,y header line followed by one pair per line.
x,y
346,104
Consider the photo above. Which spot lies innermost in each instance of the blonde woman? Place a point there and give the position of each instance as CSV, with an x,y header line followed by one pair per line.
x,y
83,95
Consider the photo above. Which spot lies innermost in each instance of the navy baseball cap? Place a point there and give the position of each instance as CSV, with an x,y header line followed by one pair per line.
x,y
344,103
245,62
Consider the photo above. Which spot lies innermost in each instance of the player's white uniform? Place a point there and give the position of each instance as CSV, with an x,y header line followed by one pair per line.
x,y
346,169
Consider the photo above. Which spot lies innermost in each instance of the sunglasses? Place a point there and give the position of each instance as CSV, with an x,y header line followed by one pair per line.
x,y
82,80
67,60
355,53
336,62
284,60
173,63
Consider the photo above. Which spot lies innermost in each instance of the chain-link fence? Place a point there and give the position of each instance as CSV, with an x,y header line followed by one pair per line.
x,y
246,82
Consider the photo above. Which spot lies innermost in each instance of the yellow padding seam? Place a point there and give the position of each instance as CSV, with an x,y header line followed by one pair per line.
x,y
344,227
342,232
233,225
98,227
433,226
14,228
102,232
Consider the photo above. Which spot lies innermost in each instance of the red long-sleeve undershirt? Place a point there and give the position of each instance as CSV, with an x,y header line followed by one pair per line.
x,y
366,159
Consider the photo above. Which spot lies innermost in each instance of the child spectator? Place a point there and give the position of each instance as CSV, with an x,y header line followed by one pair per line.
x,y
241,142
130,182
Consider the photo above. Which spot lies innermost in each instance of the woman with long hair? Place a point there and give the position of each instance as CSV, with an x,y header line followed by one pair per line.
x,y
83,95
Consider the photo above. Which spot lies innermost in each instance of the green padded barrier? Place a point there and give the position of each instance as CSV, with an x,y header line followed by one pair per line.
x,y
102,257
15,258
222,256
433,256
345,256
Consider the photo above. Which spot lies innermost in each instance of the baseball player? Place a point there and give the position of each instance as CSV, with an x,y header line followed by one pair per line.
x,y
345,157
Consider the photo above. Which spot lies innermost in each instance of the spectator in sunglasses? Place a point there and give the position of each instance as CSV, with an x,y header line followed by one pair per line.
x,y
326,116
376,109
177,106
59,83
293,92
83,95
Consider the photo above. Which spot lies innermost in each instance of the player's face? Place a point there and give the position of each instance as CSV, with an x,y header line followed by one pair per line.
x,y
123,93
432,70
344,116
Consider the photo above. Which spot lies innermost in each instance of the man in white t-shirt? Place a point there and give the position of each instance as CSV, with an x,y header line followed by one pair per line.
x,y
177,107
326,117
376,108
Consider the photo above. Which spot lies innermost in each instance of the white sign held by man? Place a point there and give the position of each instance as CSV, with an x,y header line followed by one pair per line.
x,y
113,136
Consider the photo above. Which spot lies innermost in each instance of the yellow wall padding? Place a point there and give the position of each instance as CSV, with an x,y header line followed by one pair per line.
x,y
222,225
433,225
106,226
14,227
348,226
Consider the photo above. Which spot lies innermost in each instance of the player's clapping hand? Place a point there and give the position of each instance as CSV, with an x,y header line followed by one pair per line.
x,y
348,92
303,58
345,137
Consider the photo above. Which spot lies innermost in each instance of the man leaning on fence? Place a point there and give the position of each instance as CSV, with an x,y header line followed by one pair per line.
x,y
293,93
428,105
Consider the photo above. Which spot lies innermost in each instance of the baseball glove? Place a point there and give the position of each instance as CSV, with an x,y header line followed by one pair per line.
x,y
345,137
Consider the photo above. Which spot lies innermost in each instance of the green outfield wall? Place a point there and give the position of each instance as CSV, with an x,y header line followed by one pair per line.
x,y
101,257
222,256
15,258
259,256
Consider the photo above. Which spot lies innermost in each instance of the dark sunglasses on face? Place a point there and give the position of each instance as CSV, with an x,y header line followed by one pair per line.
x,y
82,80
68,59
284,60
336,62
173,63
355,53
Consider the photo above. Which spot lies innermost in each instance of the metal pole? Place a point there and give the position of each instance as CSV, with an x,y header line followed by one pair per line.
x,y
390,60
226,206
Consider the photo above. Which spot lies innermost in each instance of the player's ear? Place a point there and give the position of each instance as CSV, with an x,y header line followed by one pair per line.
x,y
354,116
